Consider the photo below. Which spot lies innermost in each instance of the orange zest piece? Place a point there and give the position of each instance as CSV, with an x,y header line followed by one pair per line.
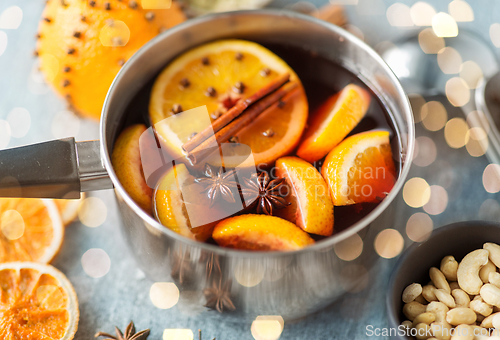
x,y
260,232
37,302
360,169
126,160
333,121
30,230
216,76
311,207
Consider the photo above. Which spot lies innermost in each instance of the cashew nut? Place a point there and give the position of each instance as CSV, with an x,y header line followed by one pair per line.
x,y
468,271
494,252
494,279
411,292
428,292
423,331
439,280
491,294
454,285
449,267
439,309
496,321
486,270
426,318
480,307
413,309
445,298
458,316
488,321
461,298
441,330
463,332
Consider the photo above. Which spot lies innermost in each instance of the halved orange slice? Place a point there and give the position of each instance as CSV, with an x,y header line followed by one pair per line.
x,y
30,230
333,121
311,207
69,209
37,302
260,232
127,163
217,75
360,169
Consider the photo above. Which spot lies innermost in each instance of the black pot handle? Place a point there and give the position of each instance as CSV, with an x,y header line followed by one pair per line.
x,y
56,169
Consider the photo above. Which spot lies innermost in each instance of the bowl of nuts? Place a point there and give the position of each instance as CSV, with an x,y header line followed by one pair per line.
x,y
448,287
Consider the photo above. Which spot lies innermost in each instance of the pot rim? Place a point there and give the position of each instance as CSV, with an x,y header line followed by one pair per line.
x,y
318,246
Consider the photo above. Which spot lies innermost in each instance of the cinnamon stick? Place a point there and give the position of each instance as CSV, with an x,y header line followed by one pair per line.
x,y
234,112
247,117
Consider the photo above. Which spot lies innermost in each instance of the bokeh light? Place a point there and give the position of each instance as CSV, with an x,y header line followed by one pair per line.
x,y
249,274
398,15
427,152
471,73
438,200
489,210
495,34
164,295
457,91
389,243
416,192
417,102
354,278
11,18
4,134
96,263
429,42
491,178
114,34
178,334
65,124
19,120
449,60
370,7
477,142
12,224
92,212
455,132
350,248
422,13
3,42
267,327
444,25
461,11
478,119
435,115
419,227
156,4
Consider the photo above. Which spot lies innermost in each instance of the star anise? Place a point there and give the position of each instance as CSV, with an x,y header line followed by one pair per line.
x,y
266,192
181,265
219,296
219,184
130,334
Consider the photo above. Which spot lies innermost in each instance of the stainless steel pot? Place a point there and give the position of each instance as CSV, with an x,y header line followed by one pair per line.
x,y
290,284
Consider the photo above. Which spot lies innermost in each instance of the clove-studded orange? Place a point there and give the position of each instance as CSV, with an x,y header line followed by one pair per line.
x,y
82,44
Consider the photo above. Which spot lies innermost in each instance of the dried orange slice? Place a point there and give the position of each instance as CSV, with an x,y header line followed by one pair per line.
x,y
37,302
216,75
360,169
83,44
311,207
31,230
69,209
333,121
180,205
126,160
260,232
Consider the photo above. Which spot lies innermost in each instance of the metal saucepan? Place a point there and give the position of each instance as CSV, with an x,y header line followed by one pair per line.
x,y
290,284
